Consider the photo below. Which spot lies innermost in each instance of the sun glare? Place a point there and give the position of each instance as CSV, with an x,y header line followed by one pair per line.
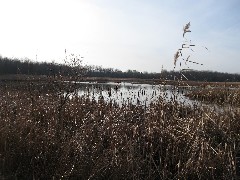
x,y
48,28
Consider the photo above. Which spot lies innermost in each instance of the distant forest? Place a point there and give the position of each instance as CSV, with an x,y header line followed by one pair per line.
x,y
15,66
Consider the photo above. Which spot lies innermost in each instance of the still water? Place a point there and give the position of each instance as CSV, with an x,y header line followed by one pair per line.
x,y
125,93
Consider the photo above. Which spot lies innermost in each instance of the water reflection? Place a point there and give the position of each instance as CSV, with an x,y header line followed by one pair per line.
x,y
125,93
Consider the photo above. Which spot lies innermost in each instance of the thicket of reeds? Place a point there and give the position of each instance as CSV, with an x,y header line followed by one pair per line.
x,y
46,135
220,96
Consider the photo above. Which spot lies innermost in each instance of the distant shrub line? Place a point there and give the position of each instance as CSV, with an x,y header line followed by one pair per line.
x,y
15,66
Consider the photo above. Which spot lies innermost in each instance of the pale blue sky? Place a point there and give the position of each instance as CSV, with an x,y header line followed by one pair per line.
x,y
124,34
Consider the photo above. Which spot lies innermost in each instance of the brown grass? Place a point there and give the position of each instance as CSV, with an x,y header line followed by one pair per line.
x,y
220,96
43,138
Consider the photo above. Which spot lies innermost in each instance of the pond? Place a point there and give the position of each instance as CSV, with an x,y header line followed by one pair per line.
x,y
138,94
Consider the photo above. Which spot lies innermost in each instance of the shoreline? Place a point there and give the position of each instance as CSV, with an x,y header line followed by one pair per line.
x,y
4,78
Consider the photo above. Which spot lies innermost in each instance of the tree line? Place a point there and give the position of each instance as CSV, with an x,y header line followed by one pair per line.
x,y
15,66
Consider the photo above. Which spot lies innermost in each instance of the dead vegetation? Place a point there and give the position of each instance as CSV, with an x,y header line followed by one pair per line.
x,y
42,138
220,96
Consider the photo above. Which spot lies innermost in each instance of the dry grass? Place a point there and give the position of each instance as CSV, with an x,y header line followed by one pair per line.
x,y
42,138
220,96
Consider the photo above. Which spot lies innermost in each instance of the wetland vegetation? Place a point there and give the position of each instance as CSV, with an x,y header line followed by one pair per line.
x,y
60,122
50,131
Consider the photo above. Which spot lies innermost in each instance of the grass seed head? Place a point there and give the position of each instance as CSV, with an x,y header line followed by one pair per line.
x,y
176,56
186,29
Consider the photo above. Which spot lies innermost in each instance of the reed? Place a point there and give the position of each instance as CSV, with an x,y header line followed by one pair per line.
x,y
220,96
99,140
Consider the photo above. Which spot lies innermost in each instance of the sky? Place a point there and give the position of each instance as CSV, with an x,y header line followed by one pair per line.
x,y
141,35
